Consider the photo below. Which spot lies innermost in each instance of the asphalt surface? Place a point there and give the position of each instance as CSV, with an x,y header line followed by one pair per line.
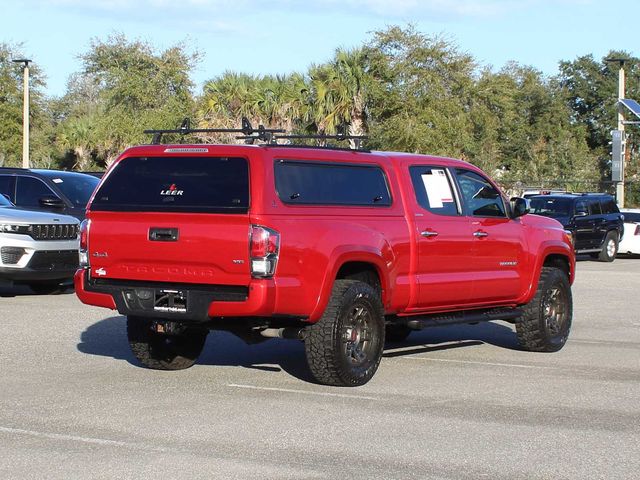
x,y
449,403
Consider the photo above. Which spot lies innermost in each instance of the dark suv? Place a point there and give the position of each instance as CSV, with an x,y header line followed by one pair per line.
x,y
48,190
593,219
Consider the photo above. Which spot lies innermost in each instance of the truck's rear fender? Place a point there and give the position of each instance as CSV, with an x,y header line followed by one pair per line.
x,y
362,262
550,254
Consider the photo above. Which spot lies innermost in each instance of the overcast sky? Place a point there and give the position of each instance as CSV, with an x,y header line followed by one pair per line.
x,y
281,36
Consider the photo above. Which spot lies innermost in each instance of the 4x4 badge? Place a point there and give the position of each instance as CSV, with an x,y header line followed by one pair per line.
x,y
171,191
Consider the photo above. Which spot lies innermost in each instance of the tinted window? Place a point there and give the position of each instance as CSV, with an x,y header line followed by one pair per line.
x,y
433,190
551,207
581,207
481,199
331,184
30,190
609,206
177,184
594,203
631,216
77,188
6,186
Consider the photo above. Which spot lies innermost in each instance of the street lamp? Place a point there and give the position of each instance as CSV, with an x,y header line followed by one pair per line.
x,y
25,111
617,168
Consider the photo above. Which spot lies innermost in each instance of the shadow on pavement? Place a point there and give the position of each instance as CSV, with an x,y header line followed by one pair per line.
x,y
434,339
108,338
10,291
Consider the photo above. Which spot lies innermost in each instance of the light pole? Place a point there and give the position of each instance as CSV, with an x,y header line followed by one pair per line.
x,y
619,140
25,111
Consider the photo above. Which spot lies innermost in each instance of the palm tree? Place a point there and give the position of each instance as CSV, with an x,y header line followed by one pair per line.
x,y
338,93
77,136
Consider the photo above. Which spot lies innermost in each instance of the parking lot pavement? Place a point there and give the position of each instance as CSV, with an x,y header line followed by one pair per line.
x,y
449,403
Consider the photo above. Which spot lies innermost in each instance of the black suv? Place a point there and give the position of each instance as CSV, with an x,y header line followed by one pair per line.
x,y
48,190
593,219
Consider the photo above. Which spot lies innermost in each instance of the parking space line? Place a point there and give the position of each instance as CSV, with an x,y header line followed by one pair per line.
x,y
303,392
493,364
76,438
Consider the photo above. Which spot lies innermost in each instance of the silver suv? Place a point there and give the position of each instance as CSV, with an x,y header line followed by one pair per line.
x,y
36,248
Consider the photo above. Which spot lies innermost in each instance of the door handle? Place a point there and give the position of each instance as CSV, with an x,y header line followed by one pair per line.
x,y
429,233
480,234
163,234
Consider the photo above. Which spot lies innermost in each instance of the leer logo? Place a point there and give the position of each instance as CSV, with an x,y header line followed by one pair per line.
x,y
172,190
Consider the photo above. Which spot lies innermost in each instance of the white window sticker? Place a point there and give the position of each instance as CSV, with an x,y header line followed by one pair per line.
x,y
437,186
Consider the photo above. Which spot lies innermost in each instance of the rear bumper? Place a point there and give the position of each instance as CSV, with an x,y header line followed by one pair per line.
x,y
203,301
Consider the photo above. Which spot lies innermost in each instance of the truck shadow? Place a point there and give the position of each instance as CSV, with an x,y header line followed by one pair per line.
x,y
108,338
434,339
11,291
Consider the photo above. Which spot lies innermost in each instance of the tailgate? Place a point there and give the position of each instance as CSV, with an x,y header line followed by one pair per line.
x,y
177,248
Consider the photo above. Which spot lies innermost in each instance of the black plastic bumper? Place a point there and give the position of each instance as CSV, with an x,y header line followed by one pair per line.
x,y
171,301
44,265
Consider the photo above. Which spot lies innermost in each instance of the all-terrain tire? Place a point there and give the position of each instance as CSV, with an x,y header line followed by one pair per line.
x,y
345,346
609,248
162,351
546,322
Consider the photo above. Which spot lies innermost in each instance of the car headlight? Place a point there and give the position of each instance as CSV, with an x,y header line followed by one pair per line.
x,y
12,228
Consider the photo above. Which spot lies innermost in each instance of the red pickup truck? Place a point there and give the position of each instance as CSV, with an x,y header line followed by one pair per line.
x,y
338,248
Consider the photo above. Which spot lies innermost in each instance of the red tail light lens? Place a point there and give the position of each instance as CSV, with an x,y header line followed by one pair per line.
x,y
264,248
637,232
84,243
84,234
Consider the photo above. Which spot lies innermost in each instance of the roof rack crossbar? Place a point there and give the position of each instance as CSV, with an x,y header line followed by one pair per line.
x,y
357,139
185,129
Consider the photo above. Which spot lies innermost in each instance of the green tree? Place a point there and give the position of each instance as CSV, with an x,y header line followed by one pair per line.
x,y
11,103
521,118
273,101
591,91
125,87
419,95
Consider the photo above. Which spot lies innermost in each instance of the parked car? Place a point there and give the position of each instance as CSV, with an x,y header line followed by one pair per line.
x,y
39,249
592,218
48,190
630,244
338,248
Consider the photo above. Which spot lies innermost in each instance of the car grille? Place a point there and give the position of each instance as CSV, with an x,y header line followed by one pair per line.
x,y
47,260
53,232
11,255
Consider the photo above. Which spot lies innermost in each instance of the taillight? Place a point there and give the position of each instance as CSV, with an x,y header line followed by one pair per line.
x,y
264,248
637,232
84,243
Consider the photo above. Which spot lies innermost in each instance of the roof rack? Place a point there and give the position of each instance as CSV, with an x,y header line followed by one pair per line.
x,y
340,137
260,133
250,134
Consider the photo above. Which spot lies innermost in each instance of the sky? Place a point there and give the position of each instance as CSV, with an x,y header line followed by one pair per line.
x,y
283,36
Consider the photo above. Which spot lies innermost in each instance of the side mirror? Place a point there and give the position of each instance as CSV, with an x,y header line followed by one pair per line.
x,y
519,207
52,202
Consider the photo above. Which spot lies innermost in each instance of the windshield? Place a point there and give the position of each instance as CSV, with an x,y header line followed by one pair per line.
x,y
551,207
76,187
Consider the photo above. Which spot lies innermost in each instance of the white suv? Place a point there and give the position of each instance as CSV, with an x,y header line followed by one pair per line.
x,y
36,248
